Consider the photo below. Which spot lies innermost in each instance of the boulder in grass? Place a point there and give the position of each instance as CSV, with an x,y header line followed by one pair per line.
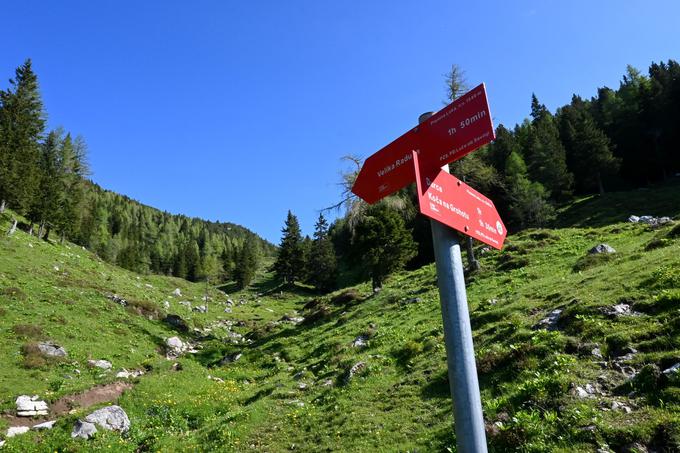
x,y
601,248
112,418
103,364
83,430
51,349
30,406
44,425
177,292
16,430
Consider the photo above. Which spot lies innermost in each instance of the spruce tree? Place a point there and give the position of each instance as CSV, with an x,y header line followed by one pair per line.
x,y
22,123
528,200
247,263
322,264
545,156
289,265
45,205
381,243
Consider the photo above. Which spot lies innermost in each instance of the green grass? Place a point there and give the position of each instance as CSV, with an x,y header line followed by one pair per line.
x,y
400,400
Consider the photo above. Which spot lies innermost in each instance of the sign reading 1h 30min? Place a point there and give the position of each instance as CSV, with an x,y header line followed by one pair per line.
x,y
454,131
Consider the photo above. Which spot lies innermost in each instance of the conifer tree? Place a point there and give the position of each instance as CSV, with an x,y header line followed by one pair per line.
x,y
45,205
289,265
528,200
247,263
322,264
381,243
22,123
545,155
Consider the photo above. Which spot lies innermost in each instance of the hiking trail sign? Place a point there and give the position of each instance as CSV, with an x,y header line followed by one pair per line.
x,y
447,199
456,130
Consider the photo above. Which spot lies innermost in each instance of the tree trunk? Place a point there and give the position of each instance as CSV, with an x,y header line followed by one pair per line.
x,y
13,228
41,229
63,237
473,264
30,230
599,183
2,206
47,233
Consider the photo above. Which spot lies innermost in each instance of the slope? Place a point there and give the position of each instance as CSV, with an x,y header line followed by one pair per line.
x,y
571,350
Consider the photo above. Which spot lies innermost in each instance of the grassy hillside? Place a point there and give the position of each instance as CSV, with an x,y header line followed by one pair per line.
x,y
302,386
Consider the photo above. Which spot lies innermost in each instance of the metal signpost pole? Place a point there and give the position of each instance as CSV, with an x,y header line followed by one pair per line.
x,y
460,354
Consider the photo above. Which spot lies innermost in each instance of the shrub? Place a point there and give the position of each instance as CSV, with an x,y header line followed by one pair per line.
x,y
32,356
28,331
589,261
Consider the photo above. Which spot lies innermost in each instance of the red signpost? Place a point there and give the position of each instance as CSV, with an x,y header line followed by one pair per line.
x,y
454,131
445,198
418,155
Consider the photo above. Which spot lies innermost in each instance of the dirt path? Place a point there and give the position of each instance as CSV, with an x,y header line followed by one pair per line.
x,y
95,395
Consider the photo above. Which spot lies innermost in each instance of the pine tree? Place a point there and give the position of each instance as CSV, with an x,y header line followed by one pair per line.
x,y
545,156
289,265
381,243
247,263
322,264
22,123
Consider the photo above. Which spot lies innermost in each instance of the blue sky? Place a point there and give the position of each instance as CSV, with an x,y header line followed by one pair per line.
x,y
239,111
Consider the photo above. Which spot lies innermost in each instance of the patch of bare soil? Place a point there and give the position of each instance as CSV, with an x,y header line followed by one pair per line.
x,y
96,395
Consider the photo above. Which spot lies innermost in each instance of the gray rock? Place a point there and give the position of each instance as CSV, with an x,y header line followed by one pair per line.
x,y
549,323
675,369
16,430
125,374
200,309
103,364
84,430
177,292
597,353
185,303
581,393
52,349
112,418
44,425
175,347
619,310
601,248
360,342
617,406
354,370
230,358
117,299
28,406
166,305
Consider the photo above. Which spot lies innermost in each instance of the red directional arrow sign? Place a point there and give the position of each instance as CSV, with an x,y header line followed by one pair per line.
x,y
447,199
456,130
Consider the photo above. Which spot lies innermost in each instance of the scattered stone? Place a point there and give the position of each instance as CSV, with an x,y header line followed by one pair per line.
x,y
650,220
84,430
125,374
175,347
176,366
328,383
360,342
16,430
216,379
227,309
597,353
56,268
44,425
200,309
148,285
354,370
117,299
672,370
619,310
601,248
103,364
230,302
166,305
302,386
185,303
112,418
51,349
617,406
206,298
549,323
292,319
30,406
230,358
587,391
177,292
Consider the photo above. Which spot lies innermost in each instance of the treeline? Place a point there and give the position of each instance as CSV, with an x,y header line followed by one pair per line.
x,y
619,139
43,178
144,239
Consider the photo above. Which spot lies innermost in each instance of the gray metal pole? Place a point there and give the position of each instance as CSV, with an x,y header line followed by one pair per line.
x,y
460,353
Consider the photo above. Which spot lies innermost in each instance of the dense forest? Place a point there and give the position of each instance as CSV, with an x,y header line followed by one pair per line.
x,y
619,139
43,177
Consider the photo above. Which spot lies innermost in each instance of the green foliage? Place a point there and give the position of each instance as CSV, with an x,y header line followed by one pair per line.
x,y
321,263
247,263
381,243
290,260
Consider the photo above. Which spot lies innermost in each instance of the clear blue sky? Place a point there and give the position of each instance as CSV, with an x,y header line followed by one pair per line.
x,y
239,111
